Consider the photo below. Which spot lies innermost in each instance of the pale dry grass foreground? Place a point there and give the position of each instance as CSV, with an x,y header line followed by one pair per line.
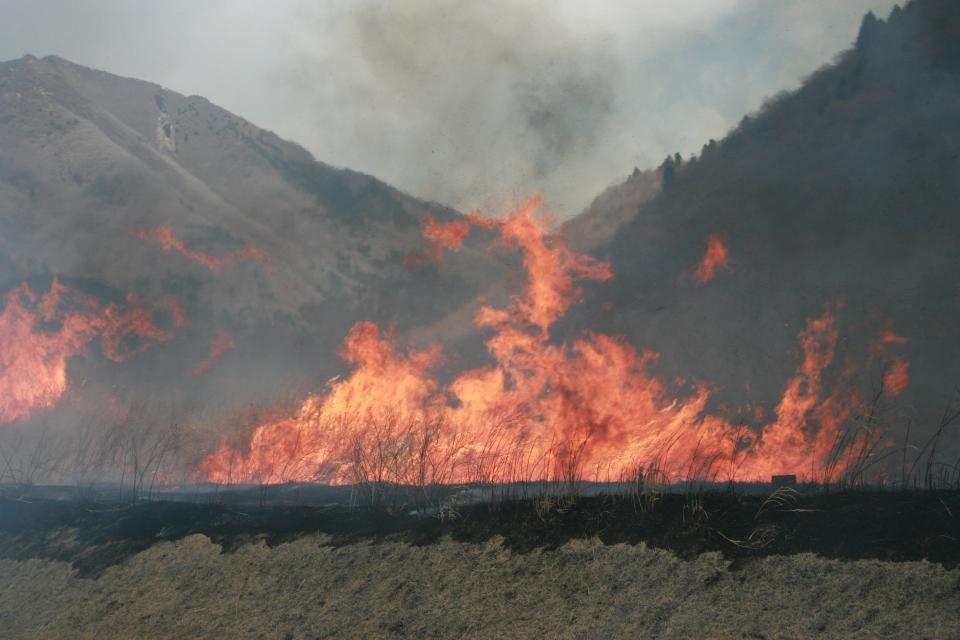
x,y
303,589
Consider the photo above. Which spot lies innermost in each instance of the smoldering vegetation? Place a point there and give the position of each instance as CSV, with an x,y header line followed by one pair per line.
x,y
741,526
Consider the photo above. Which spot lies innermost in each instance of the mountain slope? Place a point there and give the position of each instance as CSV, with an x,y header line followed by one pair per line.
x,y
99,175
840,195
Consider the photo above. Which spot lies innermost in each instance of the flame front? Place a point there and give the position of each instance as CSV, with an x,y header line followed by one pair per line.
x,y
590,409
39,332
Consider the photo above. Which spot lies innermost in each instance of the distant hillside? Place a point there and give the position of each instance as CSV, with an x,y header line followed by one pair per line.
x,y
845,192
618,205
99,173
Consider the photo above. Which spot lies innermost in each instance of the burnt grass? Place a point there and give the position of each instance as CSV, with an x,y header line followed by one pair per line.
x,y
889,526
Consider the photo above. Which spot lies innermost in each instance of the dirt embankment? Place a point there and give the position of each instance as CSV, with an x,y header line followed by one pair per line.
x,y
583,589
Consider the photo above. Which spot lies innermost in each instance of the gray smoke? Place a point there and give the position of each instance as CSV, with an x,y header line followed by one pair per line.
x,y
467,103
491,88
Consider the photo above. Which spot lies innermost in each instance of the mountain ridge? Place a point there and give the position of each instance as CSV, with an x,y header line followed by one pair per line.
x,y
93,164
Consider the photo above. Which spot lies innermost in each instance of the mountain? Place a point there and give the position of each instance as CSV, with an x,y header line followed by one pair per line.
x,y
841,195
616,206
836,201
116,186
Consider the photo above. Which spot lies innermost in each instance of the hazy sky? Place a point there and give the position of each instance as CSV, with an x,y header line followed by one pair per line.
x,y
463,102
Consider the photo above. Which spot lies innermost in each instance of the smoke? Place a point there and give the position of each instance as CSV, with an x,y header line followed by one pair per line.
x,y
460,102
464,102
481,98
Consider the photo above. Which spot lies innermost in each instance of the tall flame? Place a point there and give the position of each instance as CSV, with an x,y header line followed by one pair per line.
x,y
590,409
40,332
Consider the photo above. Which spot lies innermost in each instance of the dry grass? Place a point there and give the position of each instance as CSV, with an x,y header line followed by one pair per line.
x,y
189,589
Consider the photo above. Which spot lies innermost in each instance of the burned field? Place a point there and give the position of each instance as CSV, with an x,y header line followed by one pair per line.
x,y
855,564
888,526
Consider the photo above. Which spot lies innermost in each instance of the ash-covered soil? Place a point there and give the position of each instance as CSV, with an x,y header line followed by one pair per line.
x,y
850,565
892,526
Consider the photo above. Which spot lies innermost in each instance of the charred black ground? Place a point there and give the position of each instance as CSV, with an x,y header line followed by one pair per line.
x,y
890,526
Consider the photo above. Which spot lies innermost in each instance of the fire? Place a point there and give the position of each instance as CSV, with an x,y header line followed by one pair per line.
x,y
40,332
388,391
164,236
590,409
449,235
717,257
809,421
221,343
889,337
896,375
896,378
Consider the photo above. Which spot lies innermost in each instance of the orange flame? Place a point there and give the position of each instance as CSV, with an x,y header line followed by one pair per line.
x,y
221,343
889,337
586,410
717,257
442,235
38,333
896,379
386,386
896,376
446,236
164,236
